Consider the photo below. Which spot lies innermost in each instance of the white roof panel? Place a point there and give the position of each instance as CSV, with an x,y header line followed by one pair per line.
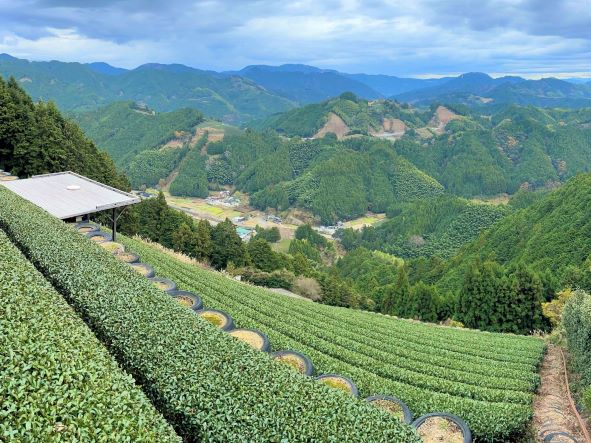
x,y
67,194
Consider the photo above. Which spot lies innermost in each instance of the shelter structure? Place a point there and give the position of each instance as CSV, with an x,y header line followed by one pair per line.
x,y
72,197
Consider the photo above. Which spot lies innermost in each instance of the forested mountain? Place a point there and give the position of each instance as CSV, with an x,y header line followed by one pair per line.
x,y
36,139
333,179
76,86
478,89
551,236
306,84
346,114
389,85
259,91
469,152
124,129
435,227
516,147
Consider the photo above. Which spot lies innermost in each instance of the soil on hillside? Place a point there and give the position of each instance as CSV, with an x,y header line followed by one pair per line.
x,y
393,128
554,420
441,118
334,124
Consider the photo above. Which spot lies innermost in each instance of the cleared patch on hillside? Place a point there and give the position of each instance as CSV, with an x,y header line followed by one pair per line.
x,y
393,128
180,138
441,118
334,124
213,134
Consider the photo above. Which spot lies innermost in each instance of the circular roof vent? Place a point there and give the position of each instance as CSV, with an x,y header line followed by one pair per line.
x,y
72,187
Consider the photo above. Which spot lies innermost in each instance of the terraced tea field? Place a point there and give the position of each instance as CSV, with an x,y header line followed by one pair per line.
x,y
487,379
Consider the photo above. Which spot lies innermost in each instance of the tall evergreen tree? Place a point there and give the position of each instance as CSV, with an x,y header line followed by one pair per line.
x,y
227,246
35,139
402,302
527,302
183,239
385,298
262,256
203,243
494,300
424,302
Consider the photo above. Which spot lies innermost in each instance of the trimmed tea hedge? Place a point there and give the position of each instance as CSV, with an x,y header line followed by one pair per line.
x,y
487,379
209,386
57,382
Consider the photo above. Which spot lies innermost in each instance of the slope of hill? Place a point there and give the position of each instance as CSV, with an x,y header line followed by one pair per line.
x,y
426,228
305,86
480,89
75,86
105,68
551,235
36,139
488,385
124,129
516,147
229,391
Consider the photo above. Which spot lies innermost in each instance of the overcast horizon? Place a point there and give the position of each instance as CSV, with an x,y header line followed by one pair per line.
x,y
529,38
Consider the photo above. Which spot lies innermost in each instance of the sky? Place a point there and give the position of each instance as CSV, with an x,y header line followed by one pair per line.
x,y
413,38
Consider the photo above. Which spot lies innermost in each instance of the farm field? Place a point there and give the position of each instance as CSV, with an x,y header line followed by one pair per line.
x,y
368,220
200,209
487,379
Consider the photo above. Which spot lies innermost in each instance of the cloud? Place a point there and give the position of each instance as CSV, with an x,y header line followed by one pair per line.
x,y
387,36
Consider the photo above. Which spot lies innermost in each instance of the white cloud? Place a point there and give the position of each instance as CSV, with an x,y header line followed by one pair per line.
x,y
376,36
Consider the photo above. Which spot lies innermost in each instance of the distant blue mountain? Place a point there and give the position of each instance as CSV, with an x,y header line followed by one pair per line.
x,y
305,84
389,85
309,84
481,89
105,68
6,57
577,80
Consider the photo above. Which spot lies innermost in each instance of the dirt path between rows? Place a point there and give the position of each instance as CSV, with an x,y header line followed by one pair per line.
x,y
554,421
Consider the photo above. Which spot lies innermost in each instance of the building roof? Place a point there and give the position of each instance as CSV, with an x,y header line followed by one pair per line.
x,y
67,194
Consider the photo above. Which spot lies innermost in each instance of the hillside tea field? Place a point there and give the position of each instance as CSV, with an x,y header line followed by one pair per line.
x,y
487,379
208,385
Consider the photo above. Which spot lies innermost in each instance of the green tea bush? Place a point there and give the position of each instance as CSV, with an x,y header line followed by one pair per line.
x,y
209,386
57,381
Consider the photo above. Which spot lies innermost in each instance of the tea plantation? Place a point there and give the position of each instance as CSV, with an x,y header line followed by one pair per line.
x,y
208,385
487,379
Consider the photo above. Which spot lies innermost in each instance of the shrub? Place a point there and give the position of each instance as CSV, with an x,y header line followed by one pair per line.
x,y
307,287
276,279
576,319
587,398
553,310
57,382
208,385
